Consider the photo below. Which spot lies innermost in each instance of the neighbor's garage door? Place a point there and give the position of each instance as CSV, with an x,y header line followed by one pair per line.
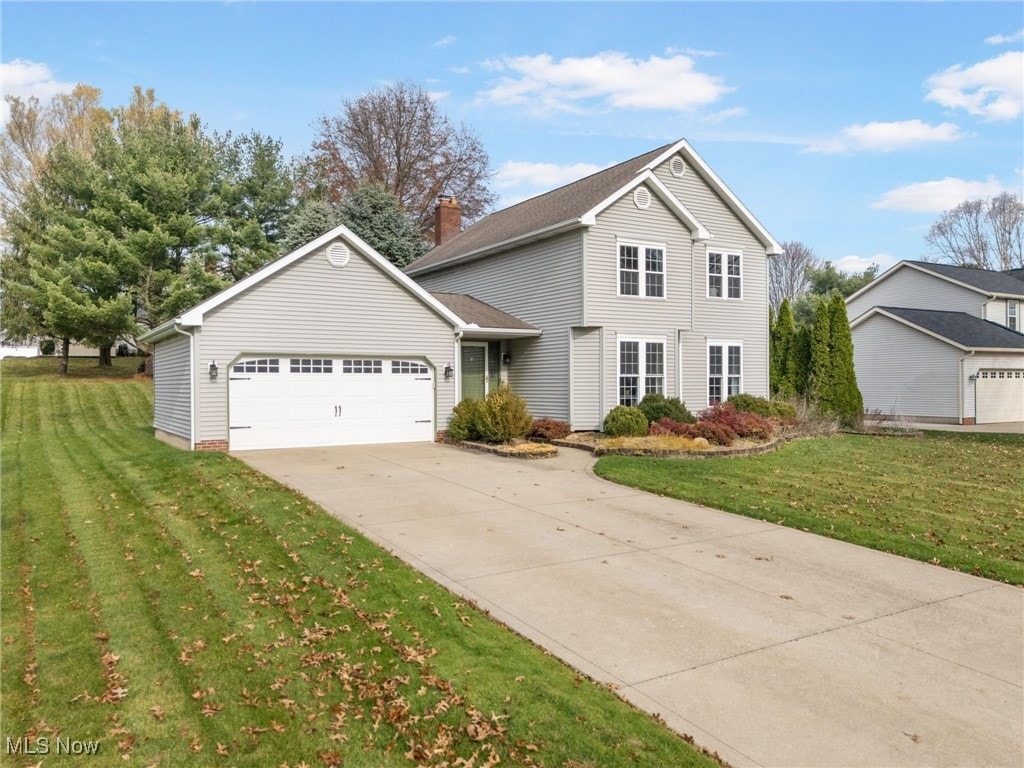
x,y
1000,396
281,402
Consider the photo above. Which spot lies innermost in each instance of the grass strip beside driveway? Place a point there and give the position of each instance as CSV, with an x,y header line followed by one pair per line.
x,y
181,608
952,499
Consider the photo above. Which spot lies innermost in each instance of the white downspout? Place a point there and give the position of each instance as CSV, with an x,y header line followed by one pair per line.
x,y
457,369
191,387
963,380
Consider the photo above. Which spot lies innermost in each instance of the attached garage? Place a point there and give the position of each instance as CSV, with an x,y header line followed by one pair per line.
x,y
292,402
328,345
1000,395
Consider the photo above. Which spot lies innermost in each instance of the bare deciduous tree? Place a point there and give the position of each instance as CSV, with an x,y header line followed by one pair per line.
x,y
398,139
789,272
983,234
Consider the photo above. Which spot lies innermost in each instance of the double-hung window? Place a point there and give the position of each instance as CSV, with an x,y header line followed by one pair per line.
x,y
725,275
725,371
1012,310
641,270
641,369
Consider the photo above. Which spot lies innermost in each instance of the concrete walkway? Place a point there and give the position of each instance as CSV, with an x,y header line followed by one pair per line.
x,y
770,646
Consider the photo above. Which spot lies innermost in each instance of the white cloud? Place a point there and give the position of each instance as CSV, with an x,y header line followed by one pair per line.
x,y
991,89
937,196
25,79
726,114
1016,37
853,265
887,137
608,80
445,41
541,175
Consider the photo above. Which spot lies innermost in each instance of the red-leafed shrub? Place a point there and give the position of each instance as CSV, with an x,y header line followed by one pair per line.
x,y
714,432
741,423
667,426
550,429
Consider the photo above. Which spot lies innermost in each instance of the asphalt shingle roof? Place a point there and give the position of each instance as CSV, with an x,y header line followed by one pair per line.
x,y
538,213
966,330
476,312
986,280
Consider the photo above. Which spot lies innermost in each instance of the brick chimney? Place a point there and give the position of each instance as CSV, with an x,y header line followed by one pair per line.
x,y
447,219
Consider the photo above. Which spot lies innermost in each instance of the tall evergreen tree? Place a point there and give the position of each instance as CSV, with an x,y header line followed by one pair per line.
x,y
374,214
819,380
310,219
800,360
846,401
782,340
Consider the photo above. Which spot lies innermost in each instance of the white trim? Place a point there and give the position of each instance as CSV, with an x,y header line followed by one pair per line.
x,y
696,161
194,317
642,269
725,254
924,270
880,311
725,345
697,230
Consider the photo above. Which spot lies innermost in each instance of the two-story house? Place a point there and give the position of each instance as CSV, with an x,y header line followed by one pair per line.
x,y
649,276
939,343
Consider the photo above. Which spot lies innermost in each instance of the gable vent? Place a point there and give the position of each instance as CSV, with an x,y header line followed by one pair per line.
x,y
678,166
642,198
337,255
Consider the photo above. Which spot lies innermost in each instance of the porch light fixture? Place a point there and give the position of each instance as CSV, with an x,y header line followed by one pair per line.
x,y
213,370
449,371
506,358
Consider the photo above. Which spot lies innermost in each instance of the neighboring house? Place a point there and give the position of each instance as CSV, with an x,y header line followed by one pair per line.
x,y
649,276
938,343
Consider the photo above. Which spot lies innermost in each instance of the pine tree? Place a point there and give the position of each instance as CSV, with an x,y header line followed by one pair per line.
x,y
846,400
374,214
782,353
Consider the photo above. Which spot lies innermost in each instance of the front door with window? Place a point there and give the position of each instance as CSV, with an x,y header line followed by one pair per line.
x,y
474,370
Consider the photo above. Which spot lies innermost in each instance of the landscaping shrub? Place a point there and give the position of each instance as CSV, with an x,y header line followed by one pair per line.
x,y
504,416
657,407
47,347
714,432
465,423
550,429
769,409
668,426
741,423
625,421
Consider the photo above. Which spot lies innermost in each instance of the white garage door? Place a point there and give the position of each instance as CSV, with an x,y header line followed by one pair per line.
x,y
282,402
1000,396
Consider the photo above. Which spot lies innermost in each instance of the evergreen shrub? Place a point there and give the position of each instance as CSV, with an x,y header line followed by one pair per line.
x,y
625,421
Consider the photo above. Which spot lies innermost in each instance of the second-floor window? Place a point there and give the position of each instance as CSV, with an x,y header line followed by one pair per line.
x,y
725,276
641,270
1012,309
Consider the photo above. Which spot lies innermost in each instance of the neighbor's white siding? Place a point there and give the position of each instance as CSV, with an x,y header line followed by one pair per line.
x,y
313,309
172,386
985,360
904,372
909,287
540,283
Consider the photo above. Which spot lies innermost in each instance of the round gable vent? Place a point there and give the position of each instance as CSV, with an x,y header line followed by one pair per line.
x,y
337,254
642,198
678,166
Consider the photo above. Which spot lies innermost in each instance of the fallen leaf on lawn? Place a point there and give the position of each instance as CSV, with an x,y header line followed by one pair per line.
x,y
158,712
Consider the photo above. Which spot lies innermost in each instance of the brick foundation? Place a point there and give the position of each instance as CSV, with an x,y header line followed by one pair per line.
x,y
968,422
212,445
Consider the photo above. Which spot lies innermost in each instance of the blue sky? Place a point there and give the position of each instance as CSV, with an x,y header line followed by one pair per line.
x,y
847,126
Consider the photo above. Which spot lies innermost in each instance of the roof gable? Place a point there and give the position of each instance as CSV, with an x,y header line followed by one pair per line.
x,y
983,281
194,316
578,204
960,329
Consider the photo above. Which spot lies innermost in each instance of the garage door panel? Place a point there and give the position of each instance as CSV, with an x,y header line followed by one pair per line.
x,y
1000,396
318,403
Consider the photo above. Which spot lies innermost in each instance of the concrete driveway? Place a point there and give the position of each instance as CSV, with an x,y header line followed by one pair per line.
x,y
771,646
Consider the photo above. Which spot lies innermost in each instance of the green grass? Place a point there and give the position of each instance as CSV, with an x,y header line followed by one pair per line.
x,y
953,499
180,608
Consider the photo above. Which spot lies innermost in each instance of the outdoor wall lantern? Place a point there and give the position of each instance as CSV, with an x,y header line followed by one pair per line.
x,y
506,358
213,370
449,371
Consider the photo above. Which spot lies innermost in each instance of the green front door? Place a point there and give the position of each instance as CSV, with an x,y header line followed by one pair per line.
x,y
474,370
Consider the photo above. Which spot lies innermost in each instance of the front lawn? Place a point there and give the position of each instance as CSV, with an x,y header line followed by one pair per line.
x,y
179,608
953,499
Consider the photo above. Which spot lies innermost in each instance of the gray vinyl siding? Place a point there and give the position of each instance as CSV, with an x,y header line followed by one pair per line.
x,y
743,320
316,310
172,386
587,411
913,289
540,283
903,372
